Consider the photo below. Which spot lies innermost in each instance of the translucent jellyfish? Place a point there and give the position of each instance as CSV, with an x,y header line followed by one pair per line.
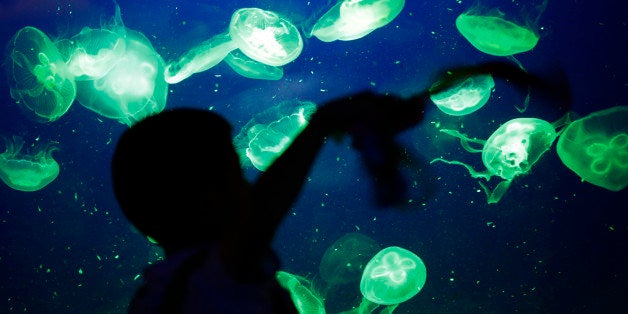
x,y
124,80
490,32
344,261
38,76
392,276
269,133
262,36
466,96
250,68
305,298
353,19
27,172
596,148
510,151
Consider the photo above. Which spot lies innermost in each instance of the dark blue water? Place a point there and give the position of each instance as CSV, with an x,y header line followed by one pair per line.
x,y
552,245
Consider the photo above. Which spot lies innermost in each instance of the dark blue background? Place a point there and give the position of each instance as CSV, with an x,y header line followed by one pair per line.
x,y
552,245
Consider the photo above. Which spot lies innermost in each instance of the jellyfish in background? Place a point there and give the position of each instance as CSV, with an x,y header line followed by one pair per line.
x,y
464,97
269,133
120,74
27,172
344,261
510,151
596,148
392,276
38,76
305,298
263,36
491,33
354,19
250,68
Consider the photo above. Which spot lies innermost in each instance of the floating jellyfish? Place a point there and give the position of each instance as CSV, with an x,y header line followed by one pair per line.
x,y
269,133
250,68
510,151
491,33
392,276
305,298
27,172
466,96
38,76
344,261
596,148
353,19
124,79
262,36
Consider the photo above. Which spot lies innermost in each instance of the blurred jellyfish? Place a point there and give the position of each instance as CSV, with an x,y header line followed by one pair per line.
x,y
27,172
466,96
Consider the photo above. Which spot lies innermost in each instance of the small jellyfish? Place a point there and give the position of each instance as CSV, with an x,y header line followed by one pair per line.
x,y
27,172
510,151
354,19
269,133
466,96
305,298
596,148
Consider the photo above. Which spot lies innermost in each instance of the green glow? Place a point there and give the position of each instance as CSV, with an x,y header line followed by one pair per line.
x,y
39,79
344,261
305,299
510,151
353,19
122,75
263,36
27,172
495,35
394,275
596,148
466,96
250,68
269,133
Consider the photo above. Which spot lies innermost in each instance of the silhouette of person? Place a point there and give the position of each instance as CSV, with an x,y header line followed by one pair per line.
x,y
178,180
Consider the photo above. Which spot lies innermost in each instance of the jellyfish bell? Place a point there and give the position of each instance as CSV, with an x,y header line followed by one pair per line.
x,y
265,36
38,76
28,172
305,298
464,97
491,32
595,148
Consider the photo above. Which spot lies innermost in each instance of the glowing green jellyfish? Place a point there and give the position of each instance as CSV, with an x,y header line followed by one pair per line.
x,y
466,96
493,34
510,151
269,133
305,298
250,68
124,79
353,19
38,77
344,261
27,172
596,148
392,276
262,36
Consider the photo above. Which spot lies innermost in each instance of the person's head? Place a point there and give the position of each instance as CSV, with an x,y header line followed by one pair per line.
x,y
176,176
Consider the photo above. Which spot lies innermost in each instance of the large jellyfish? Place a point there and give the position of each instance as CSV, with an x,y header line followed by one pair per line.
x,y
510,151
596,148
262,36
491,33
27,172
121,75
344,261
353,19
392,276
269,133
466,96
39,78
305,298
